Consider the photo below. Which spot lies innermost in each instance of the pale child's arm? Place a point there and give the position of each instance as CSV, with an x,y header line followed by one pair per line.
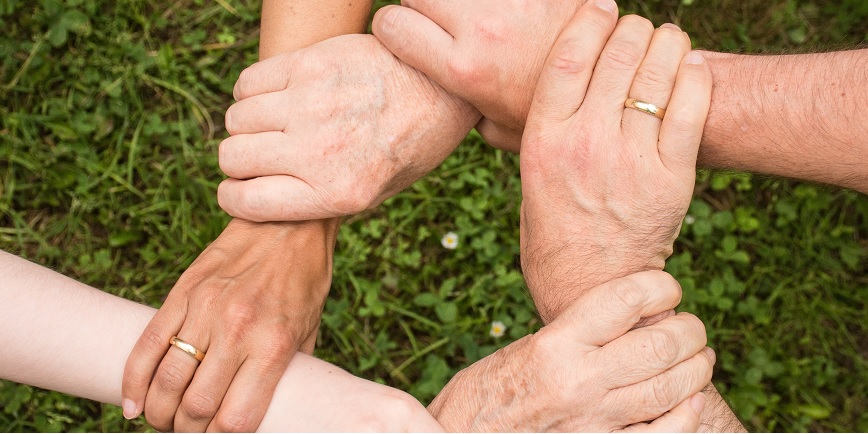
x,y
62,335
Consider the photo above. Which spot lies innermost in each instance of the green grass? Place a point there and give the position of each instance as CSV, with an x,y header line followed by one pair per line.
x,y
110,114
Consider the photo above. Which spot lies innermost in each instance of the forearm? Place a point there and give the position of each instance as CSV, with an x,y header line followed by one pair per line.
x,y
62,335
287,26
798,116
290,25
717,416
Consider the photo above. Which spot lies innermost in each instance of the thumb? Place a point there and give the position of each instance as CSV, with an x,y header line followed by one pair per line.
x,y
416,40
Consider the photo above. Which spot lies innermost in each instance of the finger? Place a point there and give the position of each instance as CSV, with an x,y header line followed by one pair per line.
x,y
248,397
617,66
276,198
654,81
260,113
203,398
441,12
417,41
646,352
498,136
271,75
685,117
174,374
652,398
147,354
569,67
245,156
651,320
608,311
685,417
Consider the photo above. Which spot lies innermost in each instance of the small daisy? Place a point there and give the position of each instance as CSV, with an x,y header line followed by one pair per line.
x,y
689,219
497,329
450,240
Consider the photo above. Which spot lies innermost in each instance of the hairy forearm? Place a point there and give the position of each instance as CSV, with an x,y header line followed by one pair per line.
x,y
798,116
717,416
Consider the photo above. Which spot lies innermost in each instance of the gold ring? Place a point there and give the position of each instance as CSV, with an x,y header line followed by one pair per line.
x,y
187,348
645,107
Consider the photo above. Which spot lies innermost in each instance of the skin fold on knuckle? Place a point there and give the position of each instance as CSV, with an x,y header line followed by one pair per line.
x,y
661,347
654,79
199,407
622,55
170,378
568,59
234,421
153,342
663,394
629,294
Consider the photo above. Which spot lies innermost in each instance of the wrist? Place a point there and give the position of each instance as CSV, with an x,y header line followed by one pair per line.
x,y
307,247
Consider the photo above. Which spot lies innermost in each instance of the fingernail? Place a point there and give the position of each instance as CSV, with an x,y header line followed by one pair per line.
x,y
698,402
607,5
130,409
670,26
710,354
694,58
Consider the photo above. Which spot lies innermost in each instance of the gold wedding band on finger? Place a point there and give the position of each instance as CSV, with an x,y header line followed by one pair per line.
x,y
645,107
187,348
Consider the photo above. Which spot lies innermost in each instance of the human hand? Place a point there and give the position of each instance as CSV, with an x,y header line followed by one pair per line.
x,y
249,301
333,129
605,187
588,371
487,52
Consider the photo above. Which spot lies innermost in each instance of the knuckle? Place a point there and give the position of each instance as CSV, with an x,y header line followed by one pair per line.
x,y
668,284
239,317
355,198
230,120
224,157
234,421
241,85
154,341
663,347
655,77
170,378
464,72
622,55
568,58
250,202
693,322
628,293
199,407
388,20
663,393
683,127
543,345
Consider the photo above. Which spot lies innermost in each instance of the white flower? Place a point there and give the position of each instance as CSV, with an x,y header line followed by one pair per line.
x,y
450,240
497,329
689,219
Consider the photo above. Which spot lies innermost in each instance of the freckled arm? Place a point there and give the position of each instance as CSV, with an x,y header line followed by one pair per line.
x,y
801,116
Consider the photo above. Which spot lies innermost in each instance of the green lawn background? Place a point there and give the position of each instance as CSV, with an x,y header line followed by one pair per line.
x,y
110,116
